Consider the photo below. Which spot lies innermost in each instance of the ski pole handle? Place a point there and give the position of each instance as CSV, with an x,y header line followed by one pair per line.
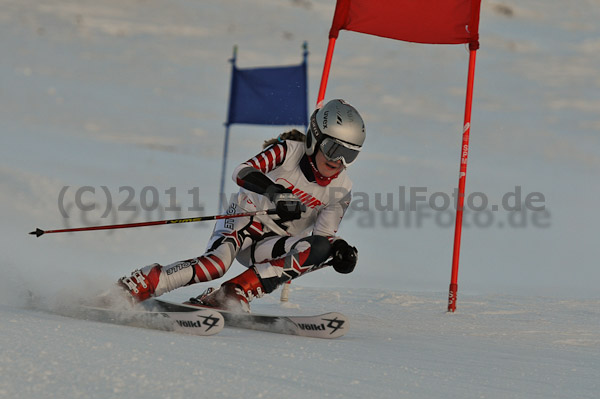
x,y
38,232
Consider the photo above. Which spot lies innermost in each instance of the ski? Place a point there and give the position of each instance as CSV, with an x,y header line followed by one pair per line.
x,y
328,325
198,322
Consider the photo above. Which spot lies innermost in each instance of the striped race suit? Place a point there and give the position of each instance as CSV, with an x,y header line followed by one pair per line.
x,y
279,251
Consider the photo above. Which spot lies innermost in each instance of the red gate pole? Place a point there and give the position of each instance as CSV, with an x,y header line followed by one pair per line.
x,y
461,183
326,68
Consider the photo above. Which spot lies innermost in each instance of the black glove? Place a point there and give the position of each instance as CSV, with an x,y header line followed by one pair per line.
x,y
344,257
287,205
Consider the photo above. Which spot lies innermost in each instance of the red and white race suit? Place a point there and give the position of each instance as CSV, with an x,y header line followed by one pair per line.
x,y
279,251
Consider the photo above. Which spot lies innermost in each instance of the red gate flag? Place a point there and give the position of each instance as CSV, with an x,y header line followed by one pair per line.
x,y
419,21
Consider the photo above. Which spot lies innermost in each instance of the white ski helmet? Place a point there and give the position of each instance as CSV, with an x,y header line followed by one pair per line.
x,y
338,130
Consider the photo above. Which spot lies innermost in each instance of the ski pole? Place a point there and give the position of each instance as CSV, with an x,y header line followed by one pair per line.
x,y
38,232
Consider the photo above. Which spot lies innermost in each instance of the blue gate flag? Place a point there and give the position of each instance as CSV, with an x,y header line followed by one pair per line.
x,y
269,96
265,96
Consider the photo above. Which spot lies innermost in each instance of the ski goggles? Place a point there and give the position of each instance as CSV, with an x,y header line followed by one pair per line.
x,y
335,150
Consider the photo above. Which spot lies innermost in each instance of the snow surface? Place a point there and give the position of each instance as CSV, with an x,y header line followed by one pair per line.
x,y
134,93
399,346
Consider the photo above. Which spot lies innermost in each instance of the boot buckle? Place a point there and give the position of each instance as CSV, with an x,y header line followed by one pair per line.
x,y
139,278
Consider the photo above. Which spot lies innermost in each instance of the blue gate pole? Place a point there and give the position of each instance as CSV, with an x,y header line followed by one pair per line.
x,y
222,195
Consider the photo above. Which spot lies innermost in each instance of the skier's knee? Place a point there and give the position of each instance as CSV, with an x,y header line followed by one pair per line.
x,y
320,249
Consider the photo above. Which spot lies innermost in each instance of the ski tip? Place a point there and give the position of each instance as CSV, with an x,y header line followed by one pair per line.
x,y
37,232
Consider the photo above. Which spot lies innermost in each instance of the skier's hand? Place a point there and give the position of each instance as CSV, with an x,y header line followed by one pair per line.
x,y
288,206
344,256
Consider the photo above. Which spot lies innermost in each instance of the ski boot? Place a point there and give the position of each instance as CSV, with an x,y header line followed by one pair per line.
x,y
234,295
142,283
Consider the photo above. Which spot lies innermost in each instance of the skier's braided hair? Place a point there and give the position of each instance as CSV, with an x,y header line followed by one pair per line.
x,y
294,135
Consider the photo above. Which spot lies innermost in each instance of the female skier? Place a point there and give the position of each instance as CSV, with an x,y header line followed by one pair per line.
x,y
306,182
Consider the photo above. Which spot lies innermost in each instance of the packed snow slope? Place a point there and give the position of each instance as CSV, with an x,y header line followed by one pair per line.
x,y
123,102
399,346
129,99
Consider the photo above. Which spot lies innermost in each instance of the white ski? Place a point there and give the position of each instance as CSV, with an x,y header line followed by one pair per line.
x,y
328,325
198,322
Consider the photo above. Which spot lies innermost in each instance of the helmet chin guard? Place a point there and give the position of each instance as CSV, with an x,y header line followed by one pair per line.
x,y
340,122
